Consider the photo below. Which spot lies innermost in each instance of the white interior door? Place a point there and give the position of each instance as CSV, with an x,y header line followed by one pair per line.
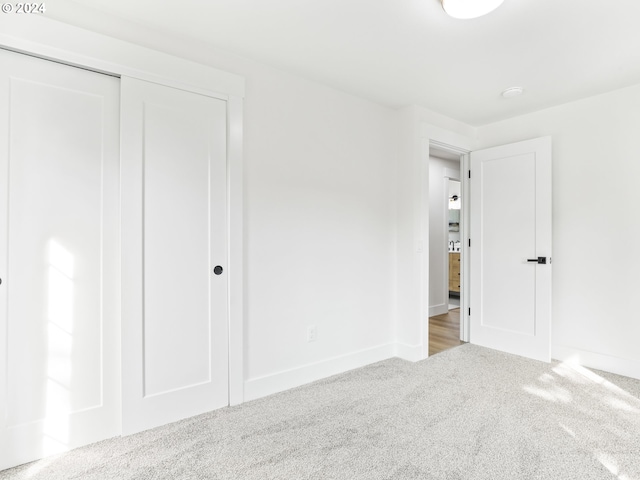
x,y
59,258
175,323
510,189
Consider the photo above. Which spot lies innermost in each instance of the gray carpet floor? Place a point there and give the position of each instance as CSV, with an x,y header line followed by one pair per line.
x,y
467,413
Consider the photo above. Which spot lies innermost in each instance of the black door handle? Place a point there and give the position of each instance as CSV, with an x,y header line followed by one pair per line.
x,y
539,260
217,270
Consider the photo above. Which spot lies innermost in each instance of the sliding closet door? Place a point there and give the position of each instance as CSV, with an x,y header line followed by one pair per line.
x,y
175,325
59,258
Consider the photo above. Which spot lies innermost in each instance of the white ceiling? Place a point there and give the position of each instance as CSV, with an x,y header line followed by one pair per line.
x,y
404,52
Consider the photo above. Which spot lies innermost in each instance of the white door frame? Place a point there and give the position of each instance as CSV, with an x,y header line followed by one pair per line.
x,y
465,321
42,37
464,233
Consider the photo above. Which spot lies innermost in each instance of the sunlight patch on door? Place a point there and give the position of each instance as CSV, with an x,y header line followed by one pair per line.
x,y
60,316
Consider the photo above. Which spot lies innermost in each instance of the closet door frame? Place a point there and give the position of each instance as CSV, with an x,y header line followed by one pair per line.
x,y
42,37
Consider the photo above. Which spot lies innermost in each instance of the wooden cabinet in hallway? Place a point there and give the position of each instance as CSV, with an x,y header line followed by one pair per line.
x,y
454,272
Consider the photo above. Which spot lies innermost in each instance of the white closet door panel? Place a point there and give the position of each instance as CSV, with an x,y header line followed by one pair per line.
x,y
60,256
175,325
176,249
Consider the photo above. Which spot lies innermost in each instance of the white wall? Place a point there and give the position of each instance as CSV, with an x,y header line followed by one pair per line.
x,y
320,223
596,172
439,170
409,242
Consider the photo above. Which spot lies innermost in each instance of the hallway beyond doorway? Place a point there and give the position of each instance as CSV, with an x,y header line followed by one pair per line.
x,y
444,331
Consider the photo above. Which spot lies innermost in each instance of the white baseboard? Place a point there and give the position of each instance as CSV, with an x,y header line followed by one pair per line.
x,y
412,353
438,310
281,381
278,382
599,361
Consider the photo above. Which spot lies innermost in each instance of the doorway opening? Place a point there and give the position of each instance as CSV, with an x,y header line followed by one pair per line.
x,y
454,279
447,292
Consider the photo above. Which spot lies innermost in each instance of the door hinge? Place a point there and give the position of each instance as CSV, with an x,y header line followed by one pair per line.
x,y
469,242
469,311
469,173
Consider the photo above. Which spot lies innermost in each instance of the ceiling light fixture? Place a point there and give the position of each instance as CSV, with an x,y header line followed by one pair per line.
x,y
469,8
512,92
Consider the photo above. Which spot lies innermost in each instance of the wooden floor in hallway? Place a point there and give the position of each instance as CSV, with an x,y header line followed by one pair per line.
x,y
444,331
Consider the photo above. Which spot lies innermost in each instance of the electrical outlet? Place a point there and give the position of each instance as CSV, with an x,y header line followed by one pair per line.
x,y
312,333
